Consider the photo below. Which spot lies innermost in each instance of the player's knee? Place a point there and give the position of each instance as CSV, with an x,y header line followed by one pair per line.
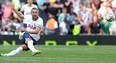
x,y
25,48
27,39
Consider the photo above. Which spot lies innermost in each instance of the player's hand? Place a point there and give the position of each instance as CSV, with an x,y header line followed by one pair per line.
x,y
24,30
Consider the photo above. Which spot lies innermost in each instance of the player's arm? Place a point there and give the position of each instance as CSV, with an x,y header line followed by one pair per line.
x,y
34,31
18,13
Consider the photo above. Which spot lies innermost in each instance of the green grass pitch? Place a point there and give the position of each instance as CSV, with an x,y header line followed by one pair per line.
x,y
63,54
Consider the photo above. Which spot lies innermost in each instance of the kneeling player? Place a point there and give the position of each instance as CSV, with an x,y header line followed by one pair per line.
x,y
32,33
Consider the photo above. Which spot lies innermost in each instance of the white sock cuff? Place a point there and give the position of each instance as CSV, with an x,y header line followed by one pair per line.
x,y
19,49
30,42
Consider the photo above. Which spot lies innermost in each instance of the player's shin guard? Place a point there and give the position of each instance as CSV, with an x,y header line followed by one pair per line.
x,y
31,46
14,52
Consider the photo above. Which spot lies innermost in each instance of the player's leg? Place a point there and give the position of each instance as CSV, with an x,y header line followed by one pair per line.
x,y
16,51
30,44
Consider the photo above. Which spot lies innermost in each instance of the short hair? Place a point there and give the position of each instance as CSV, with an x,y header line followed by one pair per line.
x,y
34,9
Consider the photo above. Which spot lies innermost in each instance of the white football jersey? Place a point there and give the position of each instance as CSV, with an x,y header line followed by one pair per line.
x,y
31,24
27,9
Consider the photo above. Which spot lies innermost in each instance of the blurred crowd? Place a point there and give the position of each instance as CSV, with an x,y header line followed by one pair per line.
x,y
63,17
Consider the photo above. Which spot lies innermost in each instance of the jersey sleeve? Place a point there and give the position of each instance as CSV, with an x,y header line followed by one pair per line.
x,y
22,9
26,16
40,23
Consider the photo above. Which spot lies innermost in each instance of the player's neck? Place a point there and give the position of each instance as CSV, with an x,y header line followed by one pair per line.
x,y
29,5
35,19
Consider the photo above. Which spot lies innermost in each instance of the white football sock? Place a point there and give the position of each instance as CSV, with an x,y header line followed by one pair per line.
x,y
15,52
31,46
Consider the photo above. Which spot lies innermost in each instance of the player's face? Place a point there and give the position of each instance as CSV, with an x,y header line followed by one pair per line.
x,y
30,1
34,13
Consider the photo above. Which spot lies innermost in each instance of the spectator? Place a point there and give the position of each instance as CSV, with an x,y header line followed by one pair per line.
x,y
113,26
45,7
8,28
58,5
106,27
51,26
96,4
86,14
63,28
74,30
76,6
52,10
75,19
68,5
7,11
64,15
85,18
94,26
16,24
108,11
27,7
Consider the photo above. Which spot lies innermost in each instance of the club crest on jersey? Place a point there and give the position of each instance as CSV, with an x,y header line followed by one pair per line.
x,y
31,26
